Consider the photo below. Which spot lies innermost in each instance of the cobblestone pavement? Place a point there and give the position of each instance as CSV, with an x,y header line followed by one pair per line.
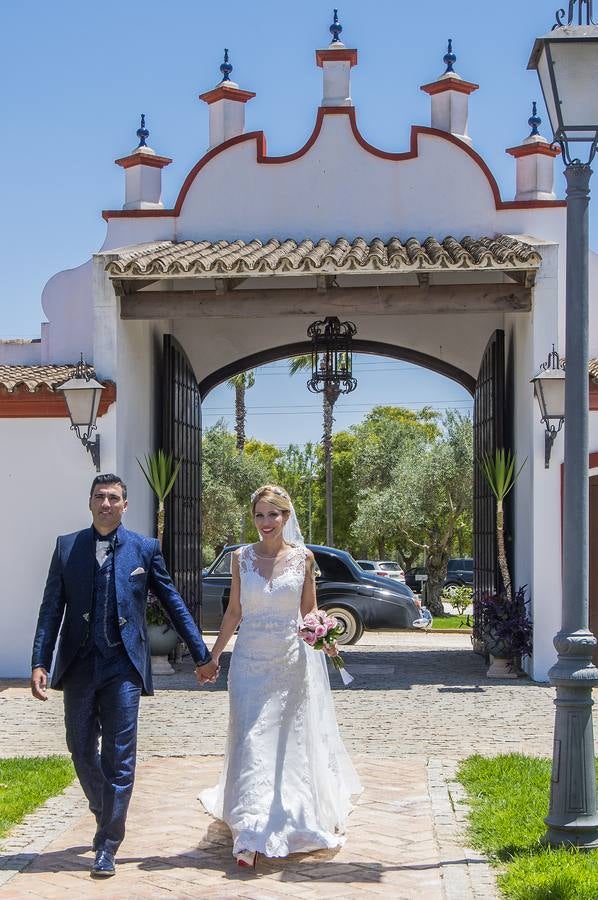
x,y
413,695
418,704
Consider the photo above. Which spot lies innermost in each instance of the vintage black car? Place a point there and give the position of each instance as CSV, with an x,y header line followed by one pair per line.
x,y
359,601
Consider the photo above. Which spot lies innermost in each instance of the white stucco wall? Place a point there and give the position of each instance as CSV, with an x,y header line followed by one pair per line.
x,y
46,480
337,188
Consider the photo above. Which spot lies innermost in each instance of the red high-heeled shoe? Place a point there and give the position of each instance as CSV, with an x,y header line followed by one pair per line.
x,y
247,859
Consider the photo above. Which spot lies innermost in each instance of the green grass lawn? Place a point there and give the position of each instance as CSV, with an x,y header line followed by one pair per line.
x,y
26,783
508,797
451,622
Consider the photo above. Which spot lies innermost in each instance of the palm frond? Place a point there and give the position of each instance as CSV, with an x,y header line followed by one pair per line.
x,y
499,471
299,364
160,470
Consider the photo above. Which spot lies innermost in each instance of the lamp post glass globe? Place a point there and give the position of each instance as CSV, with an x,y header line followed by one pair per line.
x,y
566,60
82,398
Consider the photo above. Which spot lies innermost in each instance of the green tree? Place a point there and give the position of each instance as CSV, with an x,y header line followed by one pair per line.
x,y
228,480
432,492
387,435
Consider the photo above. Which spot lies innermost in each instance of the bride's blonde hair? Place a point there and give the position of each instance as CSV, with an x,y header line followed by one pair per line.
x,y
273,494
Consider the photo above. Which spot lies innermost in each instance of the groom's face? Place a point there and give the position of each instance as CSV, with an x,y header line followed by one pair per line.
x,y
107,506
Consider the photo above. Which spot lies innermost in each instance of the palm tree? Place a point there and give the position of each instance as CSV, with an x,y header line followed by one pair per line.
x,y
160,470
241,383
330,395
500,472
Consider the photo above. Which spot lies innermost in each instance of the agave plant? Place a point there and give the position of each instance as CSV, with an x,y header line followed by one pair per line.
x,y
160,470
500,472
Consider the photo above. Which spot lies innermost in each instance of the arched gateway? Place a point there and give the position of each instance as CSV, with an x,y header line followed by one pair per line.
x,y
416,247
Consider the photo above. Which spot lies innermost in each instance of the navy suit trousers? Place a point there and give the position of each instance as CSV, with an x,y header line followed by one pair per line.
x,y
101,705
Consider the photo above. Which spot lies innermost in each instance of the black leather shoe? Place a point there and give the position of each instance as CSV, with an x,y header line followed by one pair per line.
x,y
103,866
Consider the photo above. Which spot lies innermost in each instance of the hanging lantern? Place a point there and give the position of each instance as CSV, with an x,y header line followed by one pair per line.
x,y
82,395
331,355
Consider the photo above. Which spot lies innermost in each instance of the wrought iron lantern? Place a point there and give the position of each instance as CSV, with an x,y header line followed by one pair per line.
x,y
82,394
566,60
331,356
549,388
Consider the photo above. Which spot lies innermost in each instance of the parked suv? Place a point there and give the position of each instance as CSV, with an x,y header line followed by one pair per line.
x,y
459,572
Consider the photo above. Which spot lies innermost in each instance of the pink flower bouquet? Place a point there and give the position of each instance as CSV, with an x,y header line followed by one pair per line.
x,y
319,631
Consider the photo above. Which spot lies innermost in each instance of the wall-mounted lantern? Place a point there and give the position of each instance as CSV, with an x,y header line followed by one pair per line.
x,y
82,394
549,388
331,356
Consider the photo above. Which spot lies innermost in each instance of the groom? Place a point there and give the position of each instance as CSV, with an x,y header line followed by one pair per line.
x,y
97,587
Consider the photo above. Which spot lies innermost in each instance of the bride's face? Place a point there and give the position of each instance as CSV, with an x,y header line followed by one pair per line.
x,y
269,520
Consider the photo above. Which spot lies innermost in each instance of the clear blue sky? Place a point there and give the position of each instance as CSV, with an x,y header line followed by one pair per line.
x,y
75,76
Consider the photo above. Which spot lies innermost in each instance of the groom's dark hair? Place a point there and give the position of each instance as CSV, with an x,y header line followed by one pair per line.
x,y
108,478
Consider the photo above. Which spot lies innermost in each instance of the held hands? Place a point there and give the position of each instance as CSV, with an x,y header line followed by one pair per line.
x,y
208,673
39,683
330,649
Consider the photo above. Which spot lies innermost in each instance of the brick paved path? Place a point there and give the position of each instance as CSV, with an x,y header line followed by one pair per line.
x,y
418,704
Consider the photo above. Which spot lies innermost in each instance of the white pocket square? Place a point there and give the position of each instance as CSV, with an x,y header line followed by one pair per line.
x,y
138,571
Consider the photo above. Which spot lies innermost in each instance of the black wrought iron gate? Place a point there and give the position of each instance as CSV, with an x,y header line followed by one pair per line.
x,y
181,435
489,433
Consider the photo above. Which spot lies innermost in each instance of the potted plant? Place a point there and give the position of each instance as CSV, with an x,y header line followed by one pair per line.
x,y
501,621
160,471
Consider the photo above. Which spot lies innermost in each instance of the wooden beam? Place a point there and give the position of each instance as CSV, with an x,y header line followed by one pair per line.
x,y
324,283
226,285
526,277
377,301
123,287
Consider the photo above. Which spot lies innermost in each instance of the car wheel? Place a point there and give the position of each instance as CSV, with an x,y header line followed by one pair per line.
x,y
451,585
350,623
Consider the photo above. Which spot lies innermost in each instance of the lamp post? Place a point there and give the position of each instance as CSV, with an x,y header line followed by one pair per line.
x,y
566,60
82,394
331,375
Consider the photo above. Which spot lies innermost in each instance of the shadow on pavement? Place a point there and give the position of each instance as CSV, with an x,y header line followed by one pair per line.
x,y
456,671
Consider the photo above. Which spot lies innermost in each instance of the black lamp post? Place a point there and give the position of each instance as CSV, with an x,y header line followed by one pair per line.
x,y
331,375
566,60
82,394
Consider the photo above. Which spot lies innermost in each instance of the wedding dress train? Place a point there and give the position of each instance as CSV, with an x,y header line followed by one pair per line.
x,y
287,781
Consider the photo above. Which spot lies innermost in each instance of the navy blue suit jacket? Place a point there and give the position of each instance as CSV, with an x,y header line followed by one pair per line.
x,y
69,593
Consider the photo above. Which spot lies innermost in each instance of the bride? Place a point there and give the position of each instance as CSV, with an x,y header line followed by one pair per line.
x,y
287,780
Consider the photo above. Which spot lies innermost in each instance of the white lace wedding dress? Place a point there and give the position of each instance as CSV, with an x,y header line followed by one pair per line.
x,y
287,780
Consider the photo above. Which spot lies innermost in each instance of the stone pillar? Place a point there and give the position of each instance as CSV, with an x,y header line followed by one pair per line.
x,y
450,100
143,174
336,63
535,164
227,107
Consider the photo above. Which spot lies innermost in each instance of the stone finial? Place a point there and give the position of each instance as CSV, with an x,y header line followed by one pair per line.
x,y
225,67
535,163
227,106
534,120
336,28
336,62
449,58
450,98
143,173
142,133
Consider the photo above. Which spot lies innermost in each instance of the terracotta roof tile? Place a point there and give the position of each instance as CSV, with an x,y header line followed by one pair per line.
x,y
168,258
31,378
